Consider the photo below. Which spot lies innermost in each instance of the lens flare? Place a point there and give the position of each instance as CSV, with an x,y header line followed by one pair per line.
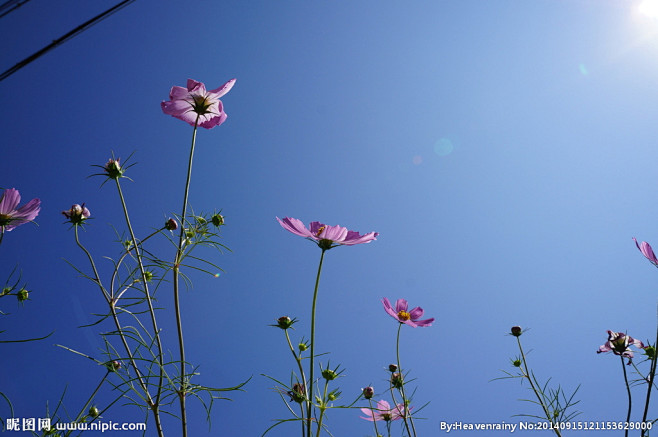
x,y
216,275
649,8
443,147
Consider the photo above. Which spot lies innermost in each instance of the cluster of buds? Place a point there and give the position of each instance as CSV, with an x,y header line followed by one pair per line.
x,y
77,214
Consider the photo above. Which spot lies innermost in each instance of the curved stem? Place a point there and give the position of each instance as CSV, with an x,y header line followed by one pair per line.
x,y
84,408
406,407
373,418
534,389
309,401
628,389
652,375
176,270
115,317
142,270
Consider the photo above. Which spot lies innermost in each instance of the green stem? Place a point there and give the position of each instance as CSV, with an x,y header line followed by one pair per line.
x,y
373,417
323,408
142,270
153,406
628,389
652,375
534,389
176,270
309,401
298,359
406,407
81,414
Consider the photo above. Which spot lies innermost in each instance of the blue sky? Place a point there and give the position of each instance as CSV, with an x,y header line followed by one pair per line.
x,y
505,152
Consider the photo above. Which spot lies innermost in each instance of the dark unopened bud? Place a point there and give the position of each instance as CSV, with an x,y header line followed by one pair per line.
x,y
392,368
396,380
217,220
171,225
516,363
113,366
516,331
94,412
284,322
22,295
297,393
368,392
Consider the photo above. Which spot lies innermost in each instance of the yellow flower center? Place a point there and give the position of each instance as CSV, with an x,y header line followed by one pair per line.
x,y
317,234
403,315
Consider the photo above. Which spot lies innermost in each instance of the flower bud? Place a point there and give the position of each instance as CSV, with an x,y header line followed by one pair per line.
x,y
297,393
149,275
113,366
650,352
284,322
302,346
94,412
516,331
217,220
392,368
516,363
396,380
113,169
22,295
368,392
77,214
171,225
5,290
329,374
333,395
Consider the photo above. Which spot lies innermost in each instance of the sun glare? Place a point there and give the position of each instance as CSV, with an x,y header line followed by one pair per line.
x,y
649,8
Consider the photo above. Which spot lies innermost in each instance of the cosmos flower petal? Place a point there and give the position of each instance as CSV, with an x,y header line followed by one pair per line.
x,y
388,308
9,201
416,313
424,323
334,233
295,226
401,305
219,92
10,216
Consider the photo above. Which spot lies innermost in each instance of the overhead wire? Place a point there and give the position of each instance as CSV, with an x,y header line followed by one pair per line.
x,y
13,4
61,40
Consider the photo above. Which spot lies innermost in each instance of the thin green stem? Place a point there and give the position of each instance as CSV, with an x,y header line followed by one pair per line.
x,y
322,408
406,410
535,390
298,359
84,408
628,389
309,401
142,270
652,375
176,270
373,418
153,406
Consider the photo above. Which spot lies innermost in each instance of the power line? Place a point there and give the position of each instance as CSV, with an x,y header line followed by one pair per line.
x,y
61,40
13,4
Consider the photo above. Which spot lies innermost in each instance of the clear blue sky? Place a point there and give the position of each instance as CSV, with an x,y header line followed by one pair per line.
x,y
505,151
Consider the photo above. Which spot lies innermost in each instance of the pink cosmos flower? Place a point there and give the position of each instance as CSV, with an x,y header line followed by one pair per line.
x,y
324,235
383,411
196,105
402,315
618,343
10,216
646,250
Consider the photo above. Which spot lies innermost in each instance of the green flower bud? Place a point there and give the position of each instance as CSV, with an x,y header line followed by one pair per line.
x,y
396,380
217,220
329,374
284,322
113,169
94,412
22,295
